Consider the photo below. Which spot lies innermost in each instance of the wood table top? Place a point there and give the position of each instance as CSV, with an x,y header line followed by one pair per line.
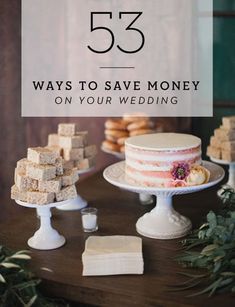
x,y
118,212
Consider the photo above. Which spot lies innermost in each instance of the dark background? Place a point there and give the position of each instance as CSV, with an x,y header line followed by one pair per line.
x,y
16,133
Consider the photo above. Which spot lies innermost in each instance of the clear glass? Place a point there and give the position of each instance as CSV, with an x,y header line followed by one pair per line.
x,y
89,219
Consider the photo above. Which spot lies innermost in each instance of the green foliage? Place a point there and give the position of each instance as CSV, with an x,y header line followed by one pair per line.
x,y
18,286
212,248
228,197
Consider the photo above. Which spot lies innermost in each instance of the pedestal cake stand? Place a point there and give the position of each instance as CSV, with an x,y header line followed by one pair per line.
x,y
46,237
231,176
163,222
145,199
78,202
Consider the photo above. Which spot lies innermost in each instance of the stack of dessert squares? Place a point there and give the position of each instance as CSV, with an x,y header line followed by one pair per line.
x,y
118,130
222,143
73,147
40,178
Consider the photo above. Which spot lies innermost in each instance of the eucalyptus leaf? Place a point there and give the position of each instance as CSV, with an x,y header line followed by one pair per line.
x,y
212,286
2,279
208,249
10,265
190,286
228,274
23,252
21,256
32,301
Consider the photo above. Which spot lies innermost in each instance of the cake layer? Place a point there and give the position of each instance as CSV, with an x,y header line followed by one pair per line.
x,y
164,141
159,166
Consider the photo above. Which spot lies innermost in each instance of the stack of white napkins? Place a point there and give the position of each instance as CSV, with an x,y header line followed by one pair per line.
x,y
112,255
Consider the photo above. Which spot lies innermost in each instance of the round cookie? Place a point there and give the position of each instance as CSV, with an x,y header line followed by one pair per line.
x,y
121,141
115,124
115,134
111,138
130,118
141,132
110,146
140,124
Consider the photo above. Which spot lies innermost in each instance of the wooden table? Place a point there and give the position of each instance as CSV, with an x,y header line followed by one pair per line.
x,y
118,213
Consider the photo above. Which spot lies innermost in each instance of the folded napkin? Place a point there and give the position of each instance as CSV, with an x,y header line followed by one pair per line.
x,y
112,255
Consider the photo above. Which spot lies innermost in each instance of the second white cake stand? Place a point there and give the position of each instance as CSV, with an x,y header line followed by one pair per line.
x,y
231,175
163,222
78,202
46,237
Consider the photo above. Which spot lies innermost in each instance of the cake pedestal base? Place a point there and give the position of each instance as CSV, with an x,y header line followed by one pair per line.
x,y
46,237
231,176
163,222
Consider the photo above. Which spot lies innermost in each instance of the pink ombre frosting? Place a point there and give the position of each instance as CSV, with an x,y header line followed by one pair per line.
x,y
151,158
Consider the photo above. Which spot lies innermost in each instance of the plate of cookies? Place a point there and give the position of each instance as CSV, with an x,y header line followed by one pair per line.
x,y
117,130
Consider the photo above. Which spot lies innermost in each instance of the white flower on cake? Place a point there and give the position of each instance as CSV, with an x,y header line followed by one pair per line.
x,y
198,175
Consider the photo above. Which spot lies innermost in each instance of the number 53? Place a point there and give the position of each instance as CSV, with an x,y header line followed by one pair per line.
x,y
112,38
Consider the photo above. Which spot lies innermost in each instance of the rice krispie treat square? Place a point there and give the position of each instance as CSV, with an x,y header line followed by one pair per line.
x,y
18,195
73,154
67,129
67,193
21,165
90,151
84,135
214,142
213,152
40,198
53,140
56,149
67,164
59,166
69,177
53,185
85,163
228,156
25,183
69,142
228,122
40,172
224,134
42,155
229,146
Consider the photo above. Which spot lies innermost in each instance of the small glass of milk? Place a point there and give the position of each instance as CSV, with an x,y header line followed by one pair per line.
x,y
89,219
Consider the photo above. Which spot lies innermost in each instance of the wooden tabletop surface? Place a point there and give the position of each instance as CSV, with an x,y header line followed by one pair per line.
x,y
118,213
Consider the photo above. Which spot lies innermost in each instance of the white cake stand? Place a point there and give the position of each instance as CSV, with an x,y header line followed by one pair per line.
x,y
231,176
78,202
145,199
46,237
163,222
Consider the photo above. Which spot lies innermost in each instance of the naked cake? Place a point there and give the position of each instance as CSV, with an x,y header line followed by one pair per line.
x,y
165,160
